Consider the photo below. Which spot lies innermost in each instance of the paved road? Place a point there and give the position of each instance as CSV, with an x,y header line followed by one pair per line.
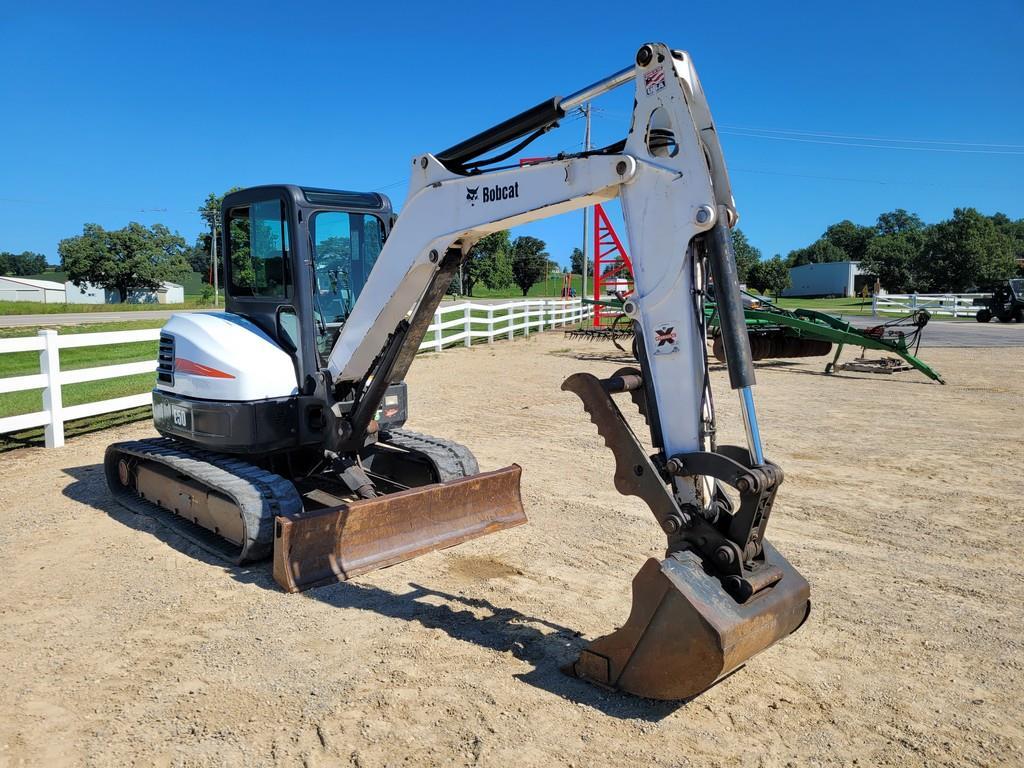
x,y
77,318
939,333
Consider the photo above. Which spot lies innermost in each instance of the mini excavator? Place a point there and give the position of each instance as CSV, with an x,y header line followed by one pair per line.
x,y
282,419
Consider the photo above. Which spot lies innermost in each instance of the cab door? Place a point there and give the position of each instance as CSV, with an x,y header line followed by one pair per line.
x,y
263,279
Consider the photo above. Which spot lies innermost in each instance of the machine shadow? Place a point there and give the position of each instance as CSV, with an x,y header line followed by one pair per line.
x,y
545,645
504,630
90,488
917,380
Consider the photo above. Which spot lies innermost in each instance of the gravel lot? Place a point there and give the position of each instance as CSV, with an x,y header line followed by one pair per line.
x,y
123,645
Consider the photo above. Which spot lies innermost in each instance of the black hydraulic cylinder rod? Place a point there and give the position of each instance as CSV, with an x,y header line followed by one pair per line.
x,y
733,324
544,115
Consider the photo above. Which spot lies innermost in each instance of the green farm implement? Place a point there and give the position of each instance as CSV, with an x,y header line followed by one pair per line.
x,y
779,333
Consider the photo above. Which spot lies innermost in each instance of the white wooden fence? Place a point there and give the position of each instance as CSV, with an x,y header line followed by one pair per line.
x,y
499,321
472,321
950,304
51,378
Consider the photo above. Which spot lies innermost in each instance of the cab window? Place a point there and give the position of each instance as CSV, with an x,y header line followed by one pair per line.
x,y
345,248
259,245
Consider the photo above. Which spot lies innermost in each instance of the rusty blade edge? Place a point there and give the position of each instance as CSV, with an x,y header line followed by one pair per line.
x,y
312,549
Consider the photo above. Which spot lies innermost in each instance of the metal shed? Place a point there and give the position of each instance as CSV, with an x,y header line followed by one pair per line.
x,y
836,278
28,289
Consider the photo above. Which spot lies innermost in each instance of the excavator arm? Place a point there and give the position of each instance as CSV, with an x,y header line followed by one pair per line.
x,y
722,593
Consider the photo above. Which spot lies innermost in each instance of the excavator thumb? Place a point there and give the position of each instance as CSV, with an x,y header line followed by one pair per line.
x,y
712,603
337,543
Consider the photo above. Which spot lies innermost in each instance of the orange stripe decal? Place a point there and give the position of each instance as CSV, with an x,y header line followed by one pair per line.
x,y
181,365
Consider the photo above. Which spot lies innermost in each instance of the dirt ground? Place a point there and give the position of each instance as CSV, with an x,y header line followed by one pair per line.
x,y
123,645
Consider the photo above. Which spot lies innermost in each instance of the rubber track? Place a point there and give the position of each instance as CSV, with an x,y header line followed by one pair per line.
x,y
451,460
260,495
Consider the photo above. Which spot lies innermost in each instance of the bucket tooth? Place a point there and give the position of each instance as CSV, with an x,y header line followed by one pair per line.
x,y
685,631
335,544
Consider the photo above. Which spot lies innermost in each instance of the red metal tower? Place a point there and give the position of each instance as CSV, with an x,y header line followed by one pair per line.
x,y
613,271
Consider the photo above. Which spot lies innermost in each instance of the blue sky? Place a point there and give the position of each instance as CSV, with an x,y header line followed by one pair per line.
x,y
122,112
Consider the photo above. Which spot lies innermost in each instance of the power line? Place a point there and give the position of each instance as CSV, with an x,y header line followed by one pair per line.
x,y
872,146
825,137
828,135
880,182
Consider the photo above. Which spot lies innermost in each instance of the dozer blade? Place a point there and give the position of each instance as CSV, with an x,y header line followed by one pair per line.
x,y
314,548
685,631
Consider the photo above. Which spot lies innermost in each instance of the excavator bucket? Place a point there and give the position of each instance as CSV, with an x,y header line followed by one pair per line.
x,y
685,631
335,544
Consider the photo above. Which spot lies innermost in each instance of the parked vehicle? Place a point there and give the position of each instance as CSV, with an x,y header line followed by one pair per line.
x,y
1005,303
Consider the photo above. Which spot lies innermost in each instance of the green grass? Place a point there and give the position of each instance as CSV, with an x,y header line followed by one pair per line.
x,y
26,363
842,306
38,308
550,288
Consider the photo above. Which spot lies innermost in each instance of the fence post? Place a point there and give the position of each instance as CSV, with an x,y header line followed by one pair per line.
x,y
956,301
467,326
526,319
874,305
438,333
490,323
49,366
913,300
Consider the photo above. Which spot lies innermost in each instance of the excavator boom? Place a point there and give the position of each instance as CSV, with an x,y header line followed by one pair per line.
x,y
722,593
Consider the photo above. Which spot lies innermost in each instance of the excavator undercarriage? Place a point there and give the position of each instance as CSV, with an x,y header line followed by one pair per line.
x,y
243,513
282,419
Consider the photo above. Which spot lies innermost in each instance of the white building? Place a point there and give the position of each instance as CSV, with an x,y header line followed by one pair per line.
x,y
835,278
167,293
27,289
87,293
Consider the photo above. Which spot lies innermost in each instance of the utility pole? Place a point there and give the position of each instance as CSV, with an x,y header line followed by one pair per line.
x,y
586,211
213,260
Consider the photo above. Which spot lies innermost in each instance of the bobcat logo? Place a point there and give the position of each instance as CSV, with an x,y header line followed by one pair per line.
x,y
471,193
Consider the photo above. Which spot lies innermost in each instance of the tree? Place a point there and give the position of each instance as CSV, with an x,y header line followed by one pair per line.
x,y
135,257
529,262
897,222
1014,230
852,239
489,262
576,263
199,255
746,254
210,209
821,251
24,263
893,258
770,276
964,252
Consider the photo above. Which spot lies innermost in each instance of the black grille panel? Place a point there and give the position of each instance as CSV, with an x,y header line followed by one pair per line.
x,y
165,360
